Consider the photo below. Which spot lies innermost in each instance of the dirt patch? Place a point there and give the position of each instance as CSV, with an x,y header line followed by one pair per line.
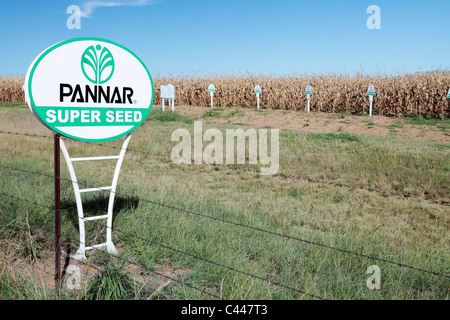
x,y
437,131
41,271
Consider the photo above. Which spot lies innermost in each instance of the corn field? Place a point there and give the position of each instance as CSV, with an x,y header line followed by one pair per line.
x,y
11,89
422,93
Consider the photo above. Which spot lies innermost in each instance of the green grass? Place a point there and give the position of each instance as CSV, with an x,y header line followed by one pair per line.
x,y
432,122
113,283
12,104
17,287
220,113
167,116
410,231
343,137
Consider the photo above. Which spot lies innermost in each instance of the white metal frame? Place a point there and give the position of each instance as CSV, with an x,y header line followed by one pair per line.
x,y
81,252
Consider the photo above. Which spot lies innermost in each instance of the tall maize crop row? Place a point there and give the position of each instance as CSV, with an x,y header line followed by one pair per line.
x,y
11,89
422,93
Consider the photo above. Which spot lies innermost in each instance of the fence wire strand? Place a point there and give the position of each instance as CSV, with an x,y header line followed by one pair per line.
x,y
125,260
249,227
182,210
257,171
184,253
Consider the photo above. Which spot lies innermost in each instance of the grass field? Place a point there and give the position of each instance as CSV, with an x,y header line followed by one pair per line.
x,y
196,247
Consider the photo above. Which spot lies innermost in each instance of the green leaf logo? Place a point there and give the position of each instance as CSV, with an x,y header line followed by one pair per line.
x,y
97,64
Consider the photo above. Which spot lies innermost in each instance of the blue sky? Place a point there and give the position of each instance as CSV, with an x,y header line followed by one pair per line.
x,y
285,37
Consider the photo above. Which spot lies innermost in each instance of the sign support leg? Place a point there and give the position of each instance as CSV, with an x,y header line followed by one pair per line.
x,y
81,252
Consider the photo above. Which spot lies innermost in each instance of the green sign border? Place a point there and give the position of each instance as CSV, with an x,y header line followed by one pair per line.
x,y
47,51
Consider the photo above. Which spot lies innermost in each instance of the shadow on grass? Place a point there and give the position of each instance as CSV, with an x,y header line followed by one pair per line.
x,y
98,206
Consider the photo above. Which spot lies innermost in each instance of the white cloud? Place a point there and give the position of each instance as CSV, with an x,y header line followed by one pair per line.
x,y
88,7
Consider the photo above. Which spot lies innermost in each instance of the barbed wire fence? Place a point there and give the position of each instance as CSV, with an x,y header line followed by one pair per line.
x,y
72,242
232,223
302,292
236,224
252,170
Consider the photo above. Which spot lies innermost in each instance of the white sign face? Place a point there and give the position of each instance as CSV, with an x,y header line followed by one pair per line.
x,y
89,89
211,88
448,94
168,92
164,93
257,89
371,91
308,90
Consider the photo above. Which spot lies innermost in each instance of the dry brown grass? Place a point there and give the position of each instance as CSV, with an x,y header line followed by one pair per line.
x,y
423,93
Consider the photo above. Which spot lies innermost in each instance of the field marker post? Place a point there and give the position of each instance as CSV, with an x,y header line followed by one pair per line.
x,y
211,91
168,93
370,93
163,90
448,102
56,148
257,91
308,93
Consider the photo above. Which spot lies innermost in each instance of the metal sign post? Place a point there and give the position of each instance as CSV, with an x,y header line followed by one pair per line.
x,y
308,93
211,91
448,102
57,213
370,93
68,89
257,91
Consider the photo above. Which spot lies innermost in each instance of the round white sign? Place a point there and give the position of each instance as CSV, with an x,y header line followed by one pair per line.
x,y
89,89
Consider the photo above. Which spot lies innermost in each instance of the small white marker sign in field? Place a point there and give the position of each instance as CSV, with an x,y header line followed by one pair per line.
x,y
211,91
308,93
308,90
448,94
371,93
168,93
257,91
